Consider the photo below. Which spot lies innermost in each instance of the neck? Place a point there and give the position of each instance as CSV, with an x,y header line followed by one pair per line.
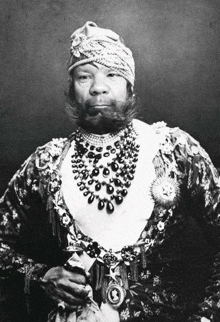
x,y
100,139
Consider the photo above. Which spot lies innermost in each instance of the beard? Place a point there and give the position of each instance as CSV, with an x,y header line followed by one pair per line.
x,y
101,120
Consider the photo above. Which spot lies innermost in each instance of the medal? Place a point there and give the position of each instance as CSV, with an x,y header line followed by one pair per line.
x,y
115,294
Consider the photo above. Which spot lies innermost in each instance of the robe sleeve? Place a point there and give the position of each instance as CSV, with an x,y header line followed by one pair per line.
x,y
30,241
204,188
15,206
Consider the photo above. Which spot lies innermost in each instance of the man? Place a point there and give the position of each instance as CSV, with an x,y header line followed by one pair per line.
x,y
119,222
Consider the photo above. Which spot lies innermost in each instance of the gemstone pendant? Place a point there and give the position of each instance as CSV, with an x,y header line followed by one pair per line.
x,y
98,186
130,176
91,155
95,172
117,182
98,156
110,208
109,189
127,184
99,149
114,166
119,200
106,172
101,204
124,192
116,174
91,198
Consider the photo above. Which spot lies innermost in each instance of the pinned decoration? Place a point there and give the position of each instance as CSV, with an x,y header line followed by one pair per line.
x,y
115,294
165,191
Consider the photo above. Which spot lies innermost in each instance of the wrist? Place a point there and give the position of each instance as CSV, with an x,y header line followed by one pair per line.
x,y
34,275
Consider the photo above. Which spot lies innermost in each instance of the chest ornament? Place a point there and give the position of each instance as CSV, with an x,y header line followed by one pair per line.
x,y
104,166
115,294
165,191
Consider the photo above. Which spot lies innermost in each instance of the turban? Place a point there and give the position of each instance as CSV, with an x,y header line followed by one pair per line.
x,y
93,44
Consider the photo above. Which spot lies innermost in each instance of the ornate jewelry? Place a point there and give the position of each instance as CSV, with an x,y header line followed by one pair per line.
x,y
104,166
115,294
165,191
61,306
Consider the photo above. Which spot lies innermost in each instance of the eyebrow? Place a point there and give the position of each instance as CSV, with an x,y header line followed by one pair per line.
x,y
85,70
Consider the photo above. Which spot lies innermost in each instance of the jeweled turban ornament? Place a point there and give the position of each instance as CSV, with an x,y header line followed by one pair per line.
x,y
93,44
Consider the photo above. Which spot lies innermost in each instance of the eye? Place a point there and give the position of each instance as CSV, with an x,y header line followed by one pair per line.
x,y
113,74
84,77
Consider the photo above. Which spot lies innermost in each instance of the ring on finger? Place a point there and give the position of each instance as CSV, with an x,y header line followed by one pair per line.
x,y
61,306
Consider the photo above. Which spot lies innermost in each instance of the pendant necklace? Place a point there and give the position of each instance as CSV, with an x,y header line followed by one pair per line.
x,y
104,166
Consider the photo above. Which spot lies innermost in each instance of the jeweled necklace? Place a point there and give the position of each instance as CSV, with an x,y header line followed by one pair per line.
x,y
95,173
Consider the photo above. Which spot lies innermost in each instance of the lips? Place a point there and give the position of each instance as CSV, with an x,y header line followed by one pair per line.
x,y
95,106
100,105
96,109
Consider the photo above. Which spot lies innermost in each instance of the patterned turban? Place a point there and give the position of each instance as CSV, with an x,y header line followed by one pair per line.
x,y
93,44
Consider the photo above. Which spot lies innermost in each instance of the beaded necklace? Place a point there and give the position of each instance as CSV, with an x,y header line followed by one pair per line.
x,y
97,177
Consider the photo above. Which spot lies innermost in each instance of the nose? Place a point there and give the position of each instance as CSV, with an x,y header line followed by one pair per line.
x,y
98,86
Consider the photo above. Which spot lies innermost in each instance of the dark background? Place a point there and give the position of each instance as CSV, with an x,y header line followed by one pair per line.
x,y
176,46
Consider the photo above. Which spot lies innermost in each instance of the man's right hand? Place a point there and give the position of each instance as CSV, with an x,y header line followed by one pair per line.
x,y
65,286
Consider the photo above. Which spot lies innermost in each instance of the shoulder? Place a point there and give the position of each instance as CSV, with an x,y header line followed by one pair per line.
x,y
179,141
158,129
45,155
54,147
178,145
172,143
50,153
166,138
148,138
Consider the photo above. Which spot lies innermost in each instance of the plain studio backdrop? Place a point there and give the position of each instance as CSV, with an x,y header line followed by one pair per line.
x,y
176,47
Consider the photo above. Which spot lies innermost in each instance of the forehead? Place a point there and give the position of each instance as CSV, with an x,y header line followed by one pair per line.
x,y
91,67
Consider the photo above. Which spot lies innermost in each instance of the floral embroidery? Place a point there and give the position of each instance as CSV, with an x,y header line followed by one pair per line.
x,y
125,315
156,281
180,160
146,309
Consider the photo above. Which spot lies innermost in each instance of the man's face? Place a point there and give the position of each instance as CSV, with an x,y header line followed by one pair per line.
x,y
100,92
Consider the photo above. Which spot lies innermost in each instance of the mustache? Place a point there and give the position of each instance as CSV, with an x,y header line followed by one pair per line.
x,y
93,101
101,116
94,106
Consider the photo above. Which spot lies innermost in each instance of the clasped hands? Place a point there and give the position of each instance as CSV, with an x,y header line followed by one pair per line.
x,y
67,287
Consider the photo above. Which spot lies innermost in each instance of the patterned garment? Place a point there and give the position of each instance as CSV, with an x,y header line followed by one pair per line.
x,y
172,273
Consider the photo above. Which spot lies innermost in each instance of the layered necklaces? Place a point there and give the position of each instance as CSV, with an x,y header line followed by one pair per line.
x,y
104,165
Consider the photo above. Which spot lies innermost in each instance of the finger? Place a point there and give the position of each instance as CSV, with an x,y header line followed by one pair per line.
x,y
43,282
67,299
74,274
64,290
49,287
63,306
71,308
74,289
73,301
77,278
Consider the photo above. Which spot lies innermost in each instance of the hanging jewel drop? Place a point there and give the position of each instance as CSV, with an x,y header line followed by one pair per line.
x,y
110,208
94,172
